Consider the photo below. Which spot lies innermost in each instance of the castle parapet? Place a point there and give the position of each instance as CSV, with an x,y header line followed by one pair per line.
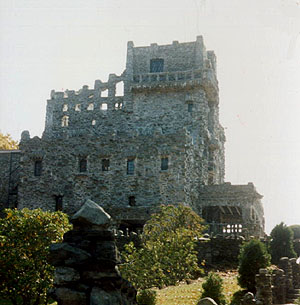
x,y
205,78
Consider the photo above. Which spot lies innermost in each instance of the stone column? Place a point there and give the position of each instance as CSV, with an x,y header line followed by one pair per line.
x,y
86,262
279,287
285,265
295,273
264,287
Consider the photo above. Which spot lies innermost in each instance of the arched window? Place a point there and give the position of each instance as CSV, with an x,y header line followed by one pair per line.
x,y
65,121
90,106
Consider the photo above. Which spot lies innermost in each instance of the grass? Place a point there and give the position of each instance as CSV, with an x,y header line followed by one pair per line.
x,y
185,294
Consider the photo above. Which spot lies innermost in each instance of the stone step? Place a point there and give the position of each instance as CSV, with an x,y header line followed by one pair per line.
x,y
291,301
293,295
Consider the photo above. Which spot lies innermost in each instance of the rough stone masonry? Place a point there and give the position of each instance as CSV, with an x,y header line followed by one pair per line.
x,y
160,142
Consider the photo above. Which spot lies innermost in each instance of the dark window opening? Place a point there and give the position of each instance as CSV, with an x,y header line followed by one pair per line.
x,y
164,163
131,201
38,168
82,165
156,65
130,166
58,202
105,165
190,107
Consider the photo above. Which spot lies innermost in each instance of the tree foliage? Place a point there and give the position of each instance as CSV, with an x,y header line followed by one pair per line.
x,y
167,254
25,237
213,288
281,243
296,231
7,143
253,256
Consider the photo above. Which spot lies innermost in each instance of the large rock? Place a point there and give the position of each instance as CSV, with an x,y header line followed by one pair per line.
x,y
65,275
68,296
65,254
91,214
207,301
99,296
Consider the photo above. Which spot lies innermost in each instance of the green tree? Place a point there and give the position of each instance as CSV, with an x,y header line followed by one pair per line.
x,y
25,237
296,231
7,143
281,243
167,254
253,256
213,288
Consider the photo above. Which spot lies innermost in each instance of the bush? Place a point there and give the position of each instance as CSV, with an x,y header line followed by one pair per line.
x,y
253,256
213,288
167,254
237,297
25,237
281,243
146,297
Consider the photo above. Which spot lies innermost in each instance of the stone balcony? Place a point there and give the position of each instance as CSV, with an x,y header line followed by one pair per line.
x,y
165,81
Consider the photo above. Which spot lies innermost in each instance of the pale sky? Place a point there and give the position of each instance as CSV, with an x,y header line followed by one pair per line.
x,y
65,44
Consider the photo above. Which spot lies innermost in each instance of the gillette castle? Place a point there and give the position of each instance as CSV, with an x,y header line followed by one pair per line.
x,y
160,142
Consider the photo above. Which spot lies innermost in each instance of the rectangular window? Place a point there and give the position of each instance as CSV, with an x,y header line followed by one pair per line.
x,y
164,163
82,165
190,107
58,203
131,201
105,165
156,65
38,168
130,166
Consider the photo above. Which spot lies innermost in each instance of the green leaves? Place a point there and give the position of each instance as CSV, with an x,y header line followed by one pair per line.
x,y
168,254
25,237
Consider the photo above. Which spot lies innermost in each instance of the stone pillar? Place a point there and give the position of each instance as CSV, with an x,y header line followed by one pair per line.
x,y
264,287
279,287
295,273
86,262
285,265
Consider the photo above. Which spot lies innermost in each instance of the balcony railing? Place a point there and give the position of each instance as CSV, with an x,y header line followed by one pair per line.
x,y
168,76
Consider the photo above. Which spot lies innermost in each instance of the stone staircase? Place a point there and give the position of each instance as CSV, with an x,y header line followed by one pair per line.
x,y
293,295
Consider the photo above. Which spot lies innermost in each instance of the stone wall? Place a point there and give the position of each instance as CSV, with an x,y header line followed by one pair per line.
x,y
9,177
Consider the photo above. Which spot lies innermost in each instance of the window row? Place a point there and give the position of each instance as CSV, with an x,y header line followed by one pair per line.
x,y
91,107
83,165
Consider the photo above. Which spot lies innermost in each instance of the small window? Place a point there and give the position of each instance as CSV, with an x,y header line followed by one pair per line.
x,y
116,106
58,203
65,121
38,168
105,165
130,166
93,122
156,65
190,107
82,165
65,107
90,106
103,107
77,107
164,163
131,201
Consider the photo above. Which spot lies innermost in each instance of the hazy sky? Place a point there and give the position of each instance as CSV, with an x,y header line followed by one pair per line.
x,y
64,44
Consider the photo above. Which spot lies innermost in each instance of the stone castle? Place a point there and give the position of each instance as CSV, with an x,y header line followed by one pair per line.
x,y
159,143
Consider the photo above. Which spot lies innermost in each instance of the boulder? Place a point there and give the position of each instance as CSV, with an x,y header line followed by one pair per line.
x,y
91,214
65,275
207,301
68,296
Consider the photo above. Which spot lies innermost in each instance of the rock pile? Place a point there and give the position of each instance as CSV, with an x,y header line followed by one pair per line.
x,y
86,263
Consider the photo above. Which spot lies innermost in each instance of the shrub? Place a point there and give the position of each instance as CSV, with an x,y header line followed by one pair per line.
x,y
167,254
237,297
213,288
281,243
25,237
146,297
253,256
